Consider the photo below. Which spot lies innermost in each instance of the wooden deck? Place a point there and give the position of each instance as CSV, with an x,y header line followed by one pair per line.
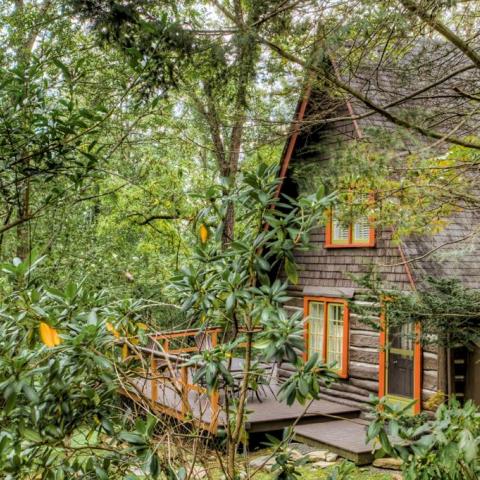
x,y
167,384
266,415
344,437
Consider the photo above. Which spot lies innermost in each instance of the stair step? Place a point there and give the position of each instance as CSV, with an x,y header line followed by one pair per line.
x,y
344,437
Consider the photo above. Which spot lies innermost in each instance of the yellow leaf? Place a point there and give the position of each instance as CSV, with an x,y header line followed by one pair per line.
x,y
112,330
142,326
49,335
124,351
203,233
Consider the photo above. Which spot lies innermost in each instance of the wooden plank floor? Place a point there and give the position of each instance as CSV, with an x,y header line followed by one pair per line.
x,y
266,415
347,438
271,414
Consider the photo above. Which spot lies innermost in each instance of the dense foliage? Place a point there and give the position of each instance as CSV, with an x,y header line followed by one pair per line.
x,y
448,312
137,137
445,448
235,287
61,414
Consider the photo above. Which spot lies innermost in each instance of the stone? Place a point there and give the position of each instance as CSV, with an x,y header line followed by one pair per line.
x,y
295,454
322,464
388,463
264,461
397,476
198,472
331,457
317,455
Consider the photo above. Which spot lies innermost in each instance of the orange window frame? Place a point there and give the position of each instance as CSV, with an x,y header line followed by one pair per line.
x,y
343,370
417,365
329,243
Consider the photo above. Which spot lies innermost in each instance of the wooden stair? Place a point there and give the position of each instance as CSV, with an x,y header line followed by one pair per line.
x,y
343,437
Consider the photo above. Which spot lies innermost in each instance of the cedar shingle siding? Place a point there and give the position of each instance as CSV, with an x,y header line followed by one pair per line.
x,y
334,268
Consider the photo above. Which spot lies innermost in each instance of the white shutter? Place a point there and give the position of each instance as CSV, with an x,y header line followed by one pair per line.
x,y
361,230
339,232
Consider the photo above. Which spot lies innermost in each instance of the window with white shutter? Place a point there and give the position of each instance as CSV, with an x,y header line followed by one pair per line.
x,y
359,233
361,230
340,232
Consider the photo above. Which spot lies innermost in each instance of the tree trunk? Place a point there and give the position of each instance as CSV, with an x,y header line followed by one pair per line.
x,y
23,228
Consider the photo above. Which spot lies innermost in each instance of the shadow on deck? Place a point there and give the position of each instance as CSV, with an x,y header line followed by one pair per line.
x,y
168,385
265,415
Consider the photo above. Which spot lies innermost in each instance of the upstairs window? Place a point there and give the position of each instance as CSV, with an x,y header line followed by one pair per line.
x,y
358,233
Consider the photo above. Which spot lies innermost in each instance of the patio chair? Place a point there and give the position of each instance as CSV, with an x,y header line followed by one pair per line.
x,y
271,376
261,377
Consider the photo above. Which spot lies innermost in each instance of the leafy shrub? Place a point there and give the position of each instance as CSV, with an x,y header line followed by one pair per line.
x,y
60,410
445,448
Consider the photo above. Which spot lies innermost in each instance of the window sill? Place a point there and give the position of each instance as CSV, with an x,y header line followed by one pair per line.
x,y
349,245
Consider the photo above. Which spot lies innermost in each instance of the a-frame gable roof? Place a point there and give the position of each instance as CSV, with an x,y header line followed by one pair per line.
x,y
452,252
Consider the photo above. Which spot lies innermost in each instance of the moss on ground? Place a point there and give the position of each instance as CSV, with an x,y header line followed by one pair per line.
x,y
309,473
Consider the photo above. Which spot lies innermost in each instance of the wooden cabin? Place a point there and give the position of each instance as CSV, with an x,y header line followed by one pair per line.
x,y
326,291
368,360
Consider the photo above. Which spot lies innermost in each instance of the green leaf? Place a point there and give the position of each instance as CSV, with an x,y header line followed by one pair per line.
x,y
30,393
291,271
62,67
11,403
230,302
132,438
303,387
101,473
154,466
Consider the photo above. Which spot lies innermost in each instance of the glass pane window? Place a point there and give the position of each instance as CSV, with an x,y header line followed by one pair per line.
x,y
326,332
400,361
335,334
358,232
341,232
316,328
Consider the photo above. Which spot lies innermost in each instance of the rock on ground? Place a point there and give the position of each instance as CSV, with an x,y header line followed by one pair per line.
x,y
331,457
296,455
264,461
390,463
322,464
317,455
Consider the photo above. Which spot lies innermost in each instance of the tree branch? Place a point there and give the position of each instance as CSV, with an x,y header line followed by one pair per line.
x,y
442,29
369,102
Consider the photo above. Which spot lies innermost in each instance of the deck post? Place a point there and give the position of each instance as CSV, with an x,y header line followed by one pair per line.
x,y
184,390
214,338
214,411
154,381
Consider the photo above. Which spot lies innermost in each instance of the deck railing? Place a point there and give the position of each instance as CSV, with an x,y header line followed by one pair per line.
x,y
169,352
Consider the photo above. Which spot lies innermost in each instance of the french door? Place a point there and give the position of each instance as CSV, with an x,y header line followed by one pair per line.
x,y
400,361
400,365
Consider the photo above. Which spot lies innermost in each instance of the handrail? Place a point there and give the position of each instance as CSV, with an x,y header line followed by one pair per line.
x,y
157,353
181,381
166,337
185,332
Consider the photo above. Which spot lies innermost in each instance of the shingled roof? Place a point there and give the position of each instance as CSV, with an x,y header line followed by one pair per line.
x,y
454,251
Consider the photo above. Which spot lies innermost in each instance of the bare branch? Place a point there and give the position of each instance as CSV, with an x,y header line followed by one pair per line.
x,y
442,29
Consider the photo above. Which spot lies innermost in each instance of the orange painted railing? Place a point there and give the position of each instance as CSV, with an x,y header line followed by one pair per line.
x,y
165,354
